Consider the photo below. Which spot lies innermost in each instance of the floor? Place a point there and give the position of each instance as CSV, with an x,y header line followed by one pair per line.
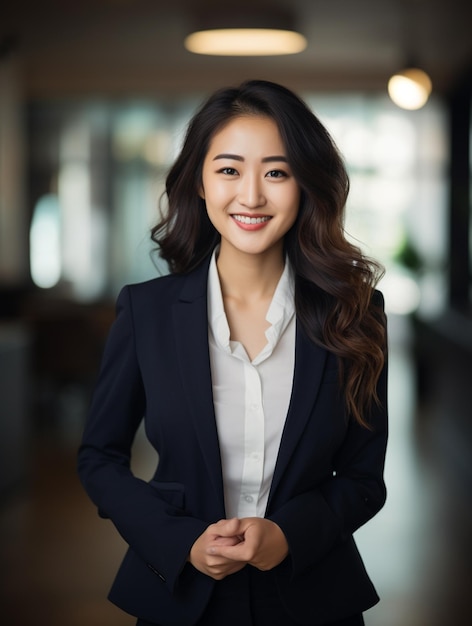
x,y
58,557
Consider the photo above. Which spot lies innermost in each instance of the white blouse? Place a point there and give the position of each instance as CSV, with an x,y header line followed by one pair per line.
x,y
251,398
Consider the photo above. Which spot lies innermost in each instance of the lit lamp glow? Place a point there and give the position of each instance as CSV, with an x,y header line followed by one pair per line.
x,y
410,88
245,42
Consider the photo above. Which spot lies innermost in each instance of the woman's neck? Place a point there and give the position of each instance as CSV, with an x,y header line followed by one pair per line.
x,y
249,277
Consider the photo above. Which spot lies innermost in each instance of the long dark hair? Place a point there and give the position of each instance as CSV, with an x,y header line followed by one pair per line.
x,y
334,280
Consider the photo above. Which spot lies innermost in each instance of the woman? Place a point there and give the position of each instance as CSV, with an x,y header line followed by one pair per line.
x,y
258,365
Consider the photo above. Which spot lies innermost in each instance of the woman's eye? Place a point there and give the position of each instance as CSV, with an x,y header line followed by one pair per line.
x,y
276,174
229,171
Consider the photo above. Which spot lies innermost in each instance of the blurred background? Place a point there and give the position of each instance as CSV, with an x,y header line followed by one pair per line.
x,y
94,98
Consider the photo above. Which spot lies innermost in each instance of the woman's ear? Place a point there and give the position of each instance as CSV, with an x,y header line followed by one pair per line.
x,y
201,192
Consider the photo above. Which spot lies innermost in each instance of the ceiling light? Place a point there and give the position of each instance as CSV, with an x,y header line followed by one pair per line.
x,y
251,31
245,42
410,88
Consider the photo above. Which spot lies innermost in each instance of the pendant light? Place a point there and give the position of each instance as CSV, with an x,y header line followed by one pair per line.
x,y
249,32
410,88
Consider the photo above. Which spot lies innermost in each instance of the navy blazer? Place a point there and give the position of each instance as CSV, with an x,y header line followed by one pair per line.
x,y
328,478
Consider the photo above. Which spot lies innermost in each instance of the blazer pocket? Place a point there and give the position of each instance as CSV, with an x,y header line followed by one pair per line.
x,y
172,493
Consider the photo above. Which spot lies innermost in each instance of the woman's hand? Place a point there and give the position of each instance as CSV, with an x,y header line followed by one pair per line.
x,y
204,553
227,546
262,544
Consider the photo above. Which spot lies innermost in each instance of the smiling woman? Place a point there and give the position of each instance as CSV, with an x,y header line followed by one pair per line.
x,y
259,368
250,193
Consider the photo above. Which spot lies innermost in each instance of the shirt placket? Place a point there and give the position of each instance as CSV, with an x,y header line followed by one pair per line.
x,y
254,437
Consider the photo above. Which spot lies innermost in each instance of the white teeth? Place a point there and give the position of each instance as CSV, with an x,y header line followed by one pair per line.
x,y
250,220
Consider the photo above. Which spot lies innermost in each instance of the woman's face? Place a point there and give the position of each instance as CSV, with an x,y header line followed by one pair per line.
x,y
251,195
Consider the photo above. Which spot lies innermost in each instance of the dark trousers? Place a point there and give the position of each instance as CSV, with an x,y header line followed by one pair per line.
x,y
250,598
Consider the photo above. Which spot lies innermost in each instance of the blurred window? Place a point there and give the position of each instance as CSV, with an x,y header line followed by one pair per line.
x,y
397,206
111,160
45,242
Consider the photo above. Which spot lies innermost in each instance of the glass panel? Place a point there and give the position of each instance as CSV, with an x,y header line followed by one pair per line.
x,y
112,159
396,210
45,242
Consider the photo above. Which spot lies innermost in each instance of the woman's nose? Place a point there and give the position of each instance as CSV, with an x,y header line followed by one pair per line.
x,y
251,193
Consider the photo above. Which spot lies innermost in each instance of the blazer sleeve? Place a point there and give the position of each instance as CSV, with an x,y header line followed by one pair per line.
x,y
316,521
149,520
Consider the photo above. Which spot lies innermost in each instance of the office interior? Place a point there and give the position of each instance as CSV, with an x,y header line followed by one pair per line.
x,y
94,98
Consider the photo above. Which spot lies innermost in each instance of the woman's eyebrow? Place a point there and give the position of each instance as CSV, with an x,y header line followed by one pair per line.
x,y
271,159
233,157
237,157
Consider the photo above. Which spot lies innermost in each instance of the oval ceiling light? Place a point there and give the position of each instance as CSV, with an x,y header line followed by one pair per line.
x,y
251,30
410,88
245,42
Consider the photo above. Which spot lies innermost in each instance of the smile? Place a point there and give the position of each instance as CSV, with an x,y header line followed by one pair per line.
x,y
250,220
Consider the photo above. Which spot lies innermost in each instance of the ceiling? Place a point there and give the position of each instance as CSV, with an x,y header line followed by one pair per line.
x,y
119,47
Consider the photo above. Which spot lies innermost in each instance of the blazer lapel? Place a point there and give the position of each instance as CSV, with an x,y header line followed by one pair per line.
x,y
309,365
191,335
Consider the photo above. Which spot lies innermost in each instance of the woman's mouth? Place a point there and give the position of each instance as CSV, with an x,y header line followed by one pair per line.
x,y
248,222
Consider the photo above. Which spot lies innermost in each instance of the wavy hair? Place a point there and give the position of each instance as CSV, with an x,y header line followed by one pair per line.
x,y
334,281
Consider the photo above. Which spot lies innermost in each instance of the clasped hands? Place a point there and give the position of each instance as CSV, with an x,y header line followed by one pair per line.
x,y
228,545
